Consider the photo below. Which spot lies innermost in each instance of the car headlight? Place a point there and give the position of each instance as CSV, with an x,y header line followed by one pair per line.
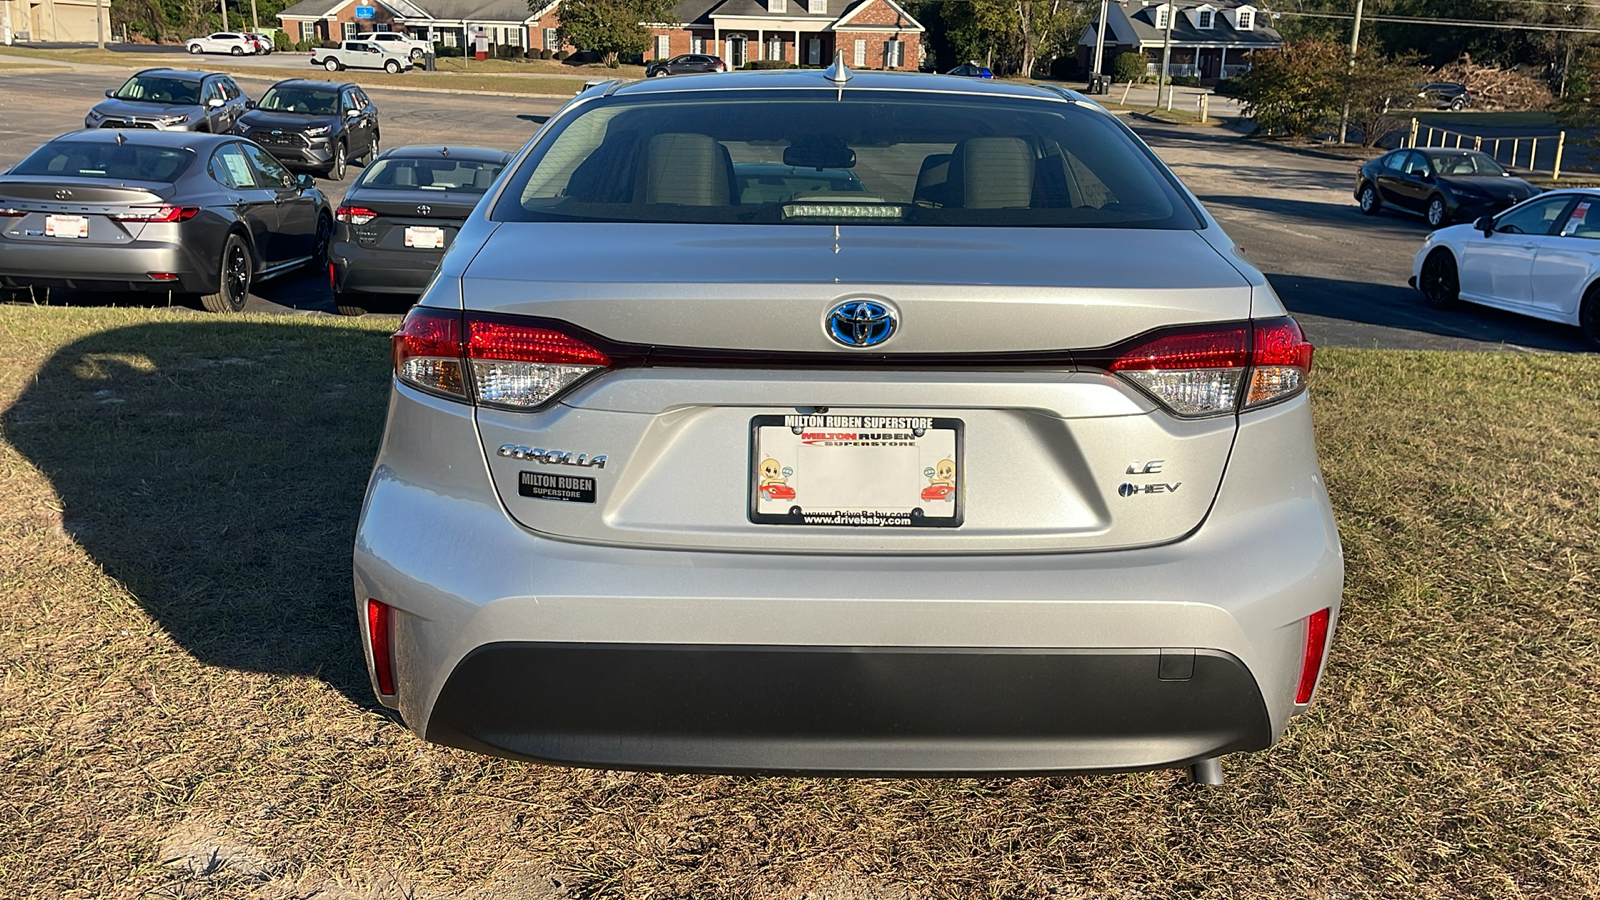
x,y
174,120
317,131
96,114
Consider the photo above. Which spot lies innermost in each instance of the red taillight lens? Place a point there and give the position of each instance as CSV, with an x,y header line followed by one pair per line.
x,y
355,215
1202,371
1311,662
380,626
427,352
524,367
158,214
6,213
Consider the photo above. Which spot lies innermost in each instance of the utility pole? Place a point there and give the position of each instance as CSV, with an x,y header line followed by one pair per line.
x,y
1164,77
1100,40
100,24
255,22
223,5
1355,45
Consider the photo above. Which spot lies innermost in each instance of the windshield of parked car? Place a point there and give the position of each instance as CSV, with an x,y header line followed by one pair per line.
x,y
106,159
432,174
863,157
1448,164
306,100
159,89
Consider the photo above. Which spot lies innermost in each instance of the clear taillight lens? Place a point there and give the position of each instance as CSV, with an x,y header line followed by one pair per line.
x,y
1204,371
355,215
523,367
491,360
158,214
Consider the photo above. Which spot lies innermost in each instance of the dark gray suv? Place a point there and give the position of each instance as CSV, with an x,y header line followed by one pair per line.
x,y
172,100
316,125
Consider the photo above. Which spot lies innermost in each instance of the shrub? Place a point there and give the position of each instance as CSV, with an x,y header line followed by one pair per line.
x,y
560,54
1227,87
444,51
505,51
329,45
612,63
1185,80
280,42
1129,67
546,54
769,64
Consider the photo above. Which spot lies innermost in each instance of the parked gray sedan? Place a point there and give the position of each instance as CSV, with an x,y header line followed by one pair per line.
x,y
157,211
172,100
999,461
401,215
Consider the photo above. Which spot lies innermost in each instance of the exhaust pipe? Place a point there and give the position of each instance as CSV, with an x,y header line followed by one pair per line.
x,y
1206,771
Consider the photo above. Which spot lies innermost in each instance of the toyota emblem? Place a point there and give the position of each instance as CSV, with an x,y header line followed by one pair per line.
x,y
861,323
63,194
424,209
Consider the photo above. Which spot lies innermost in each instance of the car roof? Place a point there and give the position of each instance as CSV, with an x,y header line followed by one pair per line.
x,y
147,137
180,74
309,82
859,80
470,154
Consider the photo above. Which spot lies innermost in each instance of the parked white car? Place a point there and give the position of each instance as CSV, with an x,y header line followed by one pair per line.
x,y
223,42
361,55
410,47
1540,258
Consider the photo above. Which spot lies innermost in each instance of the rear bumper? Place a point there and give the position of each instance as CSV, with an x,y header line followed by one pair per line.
x,y
73,266
358,268
849,710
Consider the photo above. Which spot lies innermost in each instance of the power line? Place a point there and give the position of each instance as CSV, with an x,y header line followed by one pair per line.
x,y
1449,23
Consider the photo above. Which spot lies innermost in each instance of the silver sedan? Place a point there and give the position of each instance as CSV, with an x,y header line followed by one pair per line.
x,y
838,422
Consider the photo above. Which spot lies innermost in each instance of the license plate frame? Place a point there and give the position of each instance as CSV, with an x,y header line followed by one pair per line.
x,y
66,226
921,464
434,235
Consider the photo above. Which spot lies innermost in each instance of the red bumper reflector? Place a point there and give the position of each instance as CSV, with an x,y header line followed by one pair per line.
x,y
163,276
380,619
1311,663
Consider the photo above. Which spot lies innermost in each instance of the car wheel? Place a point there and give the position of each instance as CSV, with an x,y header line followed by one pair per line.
x,y
1436,213
653,73
319,250
1370,204
340,161
372,152
233,278
351,303
1440,283
392,67
237,51
1458,104
331,64
194,48
1589,317
416,55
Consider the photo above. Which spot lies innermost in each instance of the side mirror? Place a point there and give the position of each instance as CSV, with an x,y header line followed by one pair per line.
x,y
307,180
111,92
351,113
1485,225
214,103
289,181
249,104
1427,176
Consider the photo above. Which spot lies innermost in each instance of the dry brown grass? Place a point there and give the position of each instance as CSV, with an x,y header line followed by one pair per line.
x,y
183,711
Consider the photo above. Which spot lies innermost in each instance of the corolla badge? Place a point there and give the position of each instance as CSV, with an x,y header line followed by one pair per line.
x,y
424,209
63,194
861,323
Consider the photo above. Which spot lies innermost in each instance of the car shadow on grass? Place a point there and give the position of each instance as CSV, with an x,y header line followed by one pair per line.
x,y
216,469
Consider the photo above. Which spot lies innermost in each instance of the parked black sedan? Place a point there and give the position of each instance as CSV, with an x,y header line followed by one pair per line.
x,y
684,64
160,211
398,219
314,125
1442,186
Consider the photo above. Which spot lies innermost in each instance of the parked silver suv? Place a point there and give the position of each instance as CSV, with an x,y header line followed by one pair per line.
x,y
993,458
172,100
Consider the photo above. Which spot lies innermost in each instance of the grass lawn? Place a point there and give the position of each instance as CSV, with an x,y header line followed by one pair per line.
x,y
184,712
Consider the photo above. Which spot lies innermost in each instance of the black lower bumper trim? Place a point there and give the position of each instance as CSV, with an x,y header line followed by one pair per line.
x,y
847,710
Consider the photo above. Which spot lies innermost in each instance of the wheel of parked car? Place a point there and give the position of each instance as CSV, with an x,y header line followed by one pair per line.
x,y
237,51
1370,204
319,250
1436,215
654,72
331,64
416,54
233,278
1458,104
340,161
372,152
194,48
1441,285
1589,317
351,303
392,67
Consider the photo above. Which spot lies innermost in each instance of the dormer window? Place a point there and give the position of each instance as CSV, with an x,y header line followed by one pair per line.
x,y
1205,18
817,7
778,6
1245,19
1161,16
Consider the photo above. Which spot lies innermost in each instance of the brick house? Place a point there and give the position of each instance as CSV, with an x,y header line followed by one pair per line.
x,y
447,23
1211,39
874,34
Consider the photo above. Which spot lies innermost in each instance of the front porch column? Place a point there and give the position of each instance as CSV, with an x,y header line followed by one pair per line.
x,y
1222,66
761,43
797,46
716,42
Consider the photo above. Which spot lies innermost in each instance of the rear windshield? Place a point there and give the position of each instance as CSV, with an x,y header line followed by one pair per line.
x,y
106,159
311,101
158,89
1464,164
863,158
402,174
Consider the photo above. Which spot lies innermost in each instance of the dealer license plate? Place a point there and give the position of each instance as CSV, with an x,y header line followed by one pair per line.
x,y
895,471
66,226
424,238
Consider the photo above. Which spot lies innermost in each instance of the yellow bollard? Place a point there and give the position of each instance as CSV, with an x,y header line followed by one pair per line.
x,y
1555,170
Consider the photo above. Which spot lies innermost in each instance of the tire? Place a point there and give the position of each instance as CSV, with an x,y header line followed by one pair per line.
x,y
237,51
1440,282
416,54
336,169
331,64
319,251
195,49
1370,204
1458,104
233,277
372,152
392,67
1589,318
350,303
1436,215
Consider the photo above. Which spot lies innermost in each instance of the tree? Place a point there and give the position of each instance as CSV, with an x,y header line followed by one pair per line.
x,y
1130,67
1373,85
1033,29
1295,90
609,27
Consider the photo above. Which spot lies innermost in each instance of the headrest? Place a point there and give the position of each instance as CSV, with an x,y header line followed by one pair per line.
x,y
819,151
996,173
687,169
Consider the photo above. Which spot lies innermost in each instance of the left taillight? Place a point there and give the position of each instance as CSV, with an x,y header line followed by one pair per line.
x,y
493,361
1311,660
380,634
1213,370
158,214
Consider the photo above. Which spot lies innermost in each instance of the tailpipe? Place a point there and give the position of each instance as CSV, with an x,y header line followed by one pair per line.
x,y
1206,771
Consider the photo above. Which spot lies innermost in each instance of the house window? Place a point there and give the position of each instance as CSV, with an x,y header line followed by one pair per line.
x,y
381,27
778,6
1203,19
817,7
349,29
894,54
697,44
451,39
551,42
814,51
861,54
308,31
663,46
1161,17
514,37
1247,19
775,48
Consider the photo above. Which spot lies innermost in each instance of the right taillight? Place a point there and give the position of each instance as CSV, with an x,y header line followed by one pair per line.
x,y
492,360
355,215
1311,659
1214,370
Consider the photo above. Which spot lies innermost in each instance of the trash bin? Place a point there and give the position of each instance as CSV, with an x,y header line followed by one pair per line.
x,y
1097,84
427,61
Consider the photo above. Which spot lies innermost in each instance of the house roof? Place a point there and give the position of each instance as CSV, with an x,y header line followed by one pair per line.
x,y
702,12
1133,22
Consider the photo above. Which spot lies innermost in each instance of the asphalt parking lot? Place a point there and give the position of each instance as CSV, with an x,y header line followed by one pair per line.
x,y
1342,274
